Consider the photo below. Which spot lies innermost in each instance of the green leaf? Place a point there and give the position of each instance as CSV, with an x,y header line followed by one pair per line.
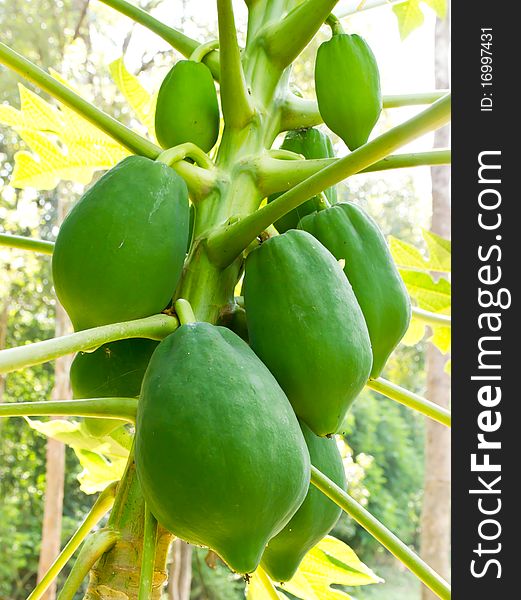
x,y
409,16
438,6
434,296
329,562
439,252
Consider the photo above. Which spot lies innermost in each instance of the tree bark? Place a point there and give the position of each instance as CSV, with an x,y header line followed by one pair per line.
x,y
435,519
180,578
55,455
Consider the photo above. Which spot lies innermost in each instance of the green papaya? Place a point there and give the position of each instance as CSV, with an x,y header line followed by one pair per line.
x,y
113,370
347,83
312,144
313,520
350,234
120,250
305,324
220,456
187,109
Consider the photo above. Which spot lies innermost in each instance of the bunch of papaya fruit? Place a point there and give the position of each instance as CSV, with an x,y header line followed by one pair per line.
x,y
229,425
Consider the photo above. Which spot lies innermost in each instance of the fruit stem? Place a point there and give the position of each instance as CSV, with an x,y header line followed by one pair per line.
x,y
395,546
184,311
335,24
201,51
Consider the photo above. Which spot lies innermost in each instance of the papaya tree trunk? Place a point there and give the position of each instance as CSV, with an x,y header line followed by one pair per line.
x,y
435,519
55,453
180,578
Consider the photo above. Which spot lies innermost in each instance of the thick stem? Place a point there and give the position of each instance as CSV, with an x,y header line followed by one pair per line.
x,y
410,399
225,245
276,174
182,43
122,134
25,243
103,408
285,40
298,113
148,556
395,546
156,327
102,505
92,550
430,317
235,98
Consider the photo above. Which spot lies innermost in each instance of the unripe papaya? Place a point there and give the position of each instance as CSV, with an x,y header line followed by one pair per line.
x,y
350,234
113,370
305,324
314,519
120,250
220,456
312,144
187,109
347,83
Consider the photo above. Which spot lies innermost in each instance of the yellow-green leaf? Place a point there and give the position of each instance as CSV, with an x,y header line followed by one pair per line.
x,y
414,333
256,590
329,562
438,6
141,102
439,252
434,296
441,338
409,16
448,367
405,255
98,472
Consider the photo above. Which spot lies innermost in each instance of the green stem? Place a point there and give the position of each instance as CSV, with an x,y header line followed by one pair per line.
x,y
92,550
364,518
106,408
235,100
336,26
430,317
156,327
410,399
182,43
269,588
25,243
227,243
102,505
148,556
275,174
184,311
285,39
122,134
187,150
201,51
298,113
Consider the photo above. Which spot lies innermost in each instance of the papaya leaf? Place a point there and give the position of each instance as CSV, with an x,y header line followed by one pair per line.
x,y
414,333
406,256
329,562
448,367
409,15
434,296
142,103
103,459
62,145
439,252
409,257
438,6
255,590
441,338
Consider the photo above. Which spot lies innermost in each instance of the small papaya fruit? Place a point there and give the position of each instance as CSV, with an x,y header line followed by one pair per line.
x,y
347,83
312,144
187,109
305,324
120,250
220,456
350,234
314,519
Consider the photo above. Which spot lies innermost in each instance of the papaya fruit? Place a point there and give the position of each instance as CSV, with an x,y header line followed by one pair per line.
x,y
120,250
314,519
219,453
187,109
305,324
312,144
347,84
350,234
113,370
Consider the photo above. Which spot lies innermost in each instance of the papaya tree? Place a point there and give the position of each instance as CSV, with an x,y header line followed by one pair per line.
x,y
227,309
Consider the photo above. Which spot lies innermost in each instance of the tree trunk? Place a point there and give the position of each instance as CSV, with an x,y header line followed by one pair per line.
x,y
55,456
180,578
435,520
